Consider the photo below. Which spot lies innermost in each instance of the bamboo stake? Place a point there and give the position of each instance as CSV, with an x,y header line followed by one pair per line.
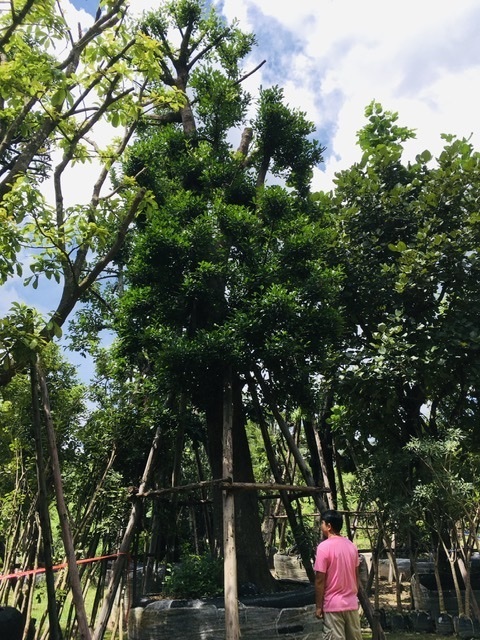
x,y
121,561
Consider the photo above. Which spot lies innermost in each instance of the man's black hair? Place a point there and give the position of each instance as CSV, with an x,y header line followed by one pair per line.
x,y
334,519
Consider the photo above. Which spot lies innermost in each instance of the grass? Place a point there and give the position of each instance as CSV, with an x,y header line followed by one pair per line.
x,y
39,607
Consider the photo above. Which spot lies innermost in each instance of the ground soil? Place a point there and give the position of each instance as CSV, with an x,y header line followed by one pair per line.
x,y
387,598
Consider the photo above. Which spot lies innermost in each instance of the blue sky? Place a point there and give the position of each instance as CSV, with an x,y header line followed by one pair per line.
x,y
332,58
88,5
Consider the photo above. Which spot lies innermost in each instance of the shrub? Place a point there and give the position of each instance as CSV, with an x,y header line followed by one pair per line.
x,y
195,577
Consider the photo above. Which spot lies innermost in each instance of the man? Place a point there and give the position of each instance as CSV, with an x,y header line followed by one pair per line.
x,y
336,581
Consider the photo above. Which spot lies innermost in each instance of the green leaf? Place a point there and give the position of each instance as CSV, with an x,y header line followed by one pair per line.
x,y
59,97
424,157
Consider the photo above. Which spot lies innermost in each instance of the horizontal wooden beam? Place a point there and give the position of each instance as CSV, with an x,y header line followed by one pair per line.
x,y
227,485
269,486
186,487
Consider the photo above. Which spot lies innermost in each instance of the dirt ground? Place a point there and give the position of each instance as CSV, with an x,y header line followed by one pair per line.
x,y
387,598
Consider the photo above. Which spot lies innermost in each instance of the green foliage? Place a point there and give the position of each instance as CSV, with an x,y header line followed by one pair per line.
x,y
283,140
450,491
381,139
18,473
408,241
19,336
415,262
224,269
370,291
195,577
56,90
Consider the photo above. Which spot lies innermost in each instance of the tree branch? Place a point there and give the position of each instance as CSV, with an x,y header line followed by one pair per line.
x,y
17,19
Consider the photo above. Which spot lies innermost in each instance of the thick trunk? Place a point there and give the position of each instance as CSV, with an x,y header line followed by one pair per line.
x,y
252,561
251,555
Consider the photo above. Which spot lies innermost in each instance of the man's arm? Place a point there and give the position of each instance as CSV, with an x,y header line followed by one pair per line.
x,y
319,593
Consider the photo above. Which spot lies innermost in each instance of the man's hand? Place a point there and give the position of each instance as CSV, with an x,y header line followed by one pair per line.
x,y
319,613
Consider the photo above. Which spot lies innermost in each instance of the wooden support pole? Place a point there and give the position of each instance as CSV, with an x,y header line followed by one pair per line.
x,y
65,528
122,560
232,625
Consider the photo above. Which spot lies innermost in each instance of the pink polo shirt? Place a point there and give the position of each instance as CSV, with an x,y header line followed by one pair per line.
x,y
337,557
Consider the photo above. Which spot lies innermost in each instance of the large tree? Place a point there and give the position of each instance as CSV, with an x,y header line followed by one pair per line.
x,y
408,241
227,274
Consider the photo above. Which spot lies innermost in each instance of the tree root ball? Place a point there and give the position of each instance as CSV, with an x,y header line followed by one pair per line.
x,y
11,623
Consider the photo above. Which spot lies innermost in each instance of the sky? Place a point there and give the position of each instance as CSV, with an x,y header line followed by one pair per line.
x,y
420,58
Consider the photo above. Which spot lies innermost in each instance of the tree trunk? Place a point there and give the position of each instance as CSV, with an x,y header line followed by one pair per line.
x,y
88,514
377,630
465,570
152,555
312,444
175,481
43,512
67,538
299,459
207,519
252,562
373,620
326,447
327,472
31,589
343,496
390,547
297,530
452,560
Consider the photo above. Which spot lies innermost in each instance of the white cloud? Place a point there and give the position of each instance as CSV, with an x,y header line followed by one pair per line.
x,y
43,299
421,59
332,57
75,17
